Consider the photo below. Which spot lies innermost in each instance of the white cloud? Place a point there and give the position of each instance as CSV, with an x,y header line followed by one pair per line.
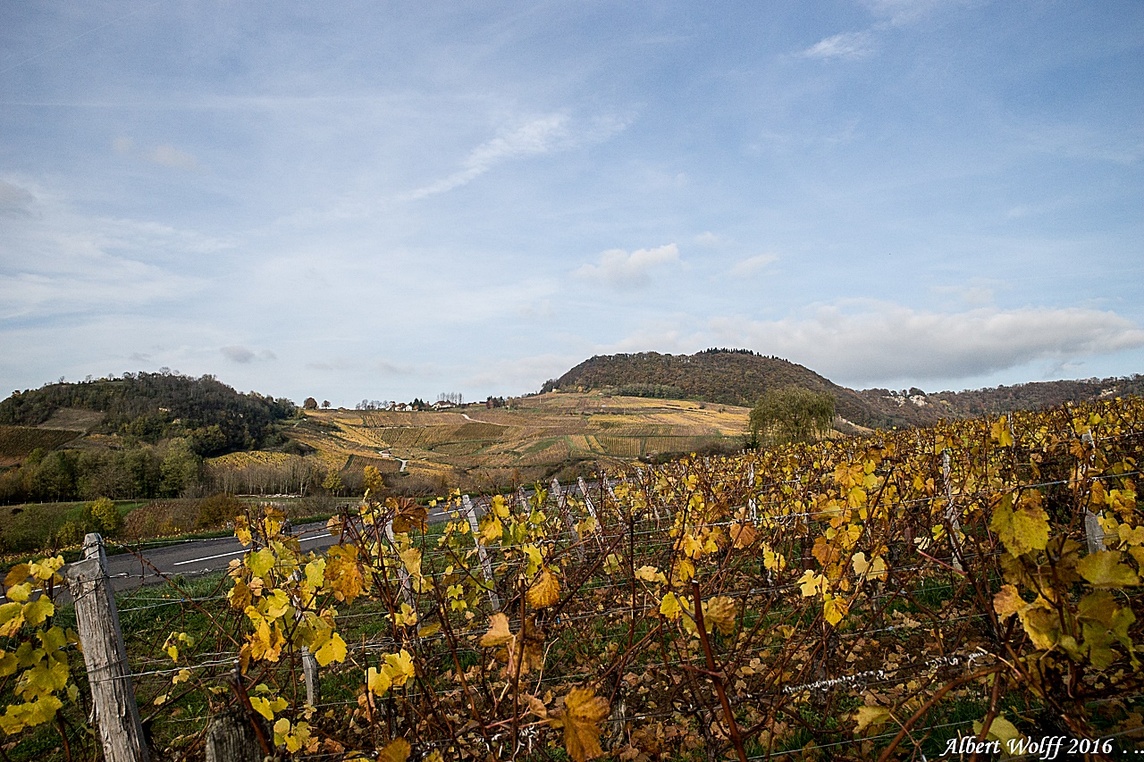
x,y
169,156
872,342
619,268
753,265
553,132
845,45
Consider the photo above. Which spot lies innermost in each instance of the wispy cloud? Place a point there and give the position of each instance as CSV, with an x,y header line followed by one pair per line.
x,y
845,45
541,135
619,268
15,201
164,154
753,265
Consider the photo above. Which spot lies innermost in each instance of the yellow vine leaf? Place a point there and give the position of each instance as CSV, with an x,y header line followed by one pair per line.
x,y
38,610
669,607
315,572
999,433
343,574
411,558
1104,569
267,707
650,574
834,608
377,682
397,750
720,613
583,711
545,592
535,560
399,667
491,528
1041,623
333,649
16,575
871,717
773,561
1021,528
1000,729
811,584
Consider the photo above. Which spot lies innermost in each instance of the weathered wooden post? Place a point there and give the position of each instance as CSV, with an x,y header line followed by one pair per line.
x,y
1094,532
100,637
232,739
482,554
951,511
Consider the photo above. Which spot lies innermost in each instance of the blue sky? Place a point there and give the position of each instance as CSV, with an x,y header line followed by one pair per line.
x,y
388,200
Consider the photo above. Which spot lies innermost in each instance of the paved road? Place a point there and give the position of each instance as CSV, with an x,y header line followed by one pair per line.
x,y
152,565
195,557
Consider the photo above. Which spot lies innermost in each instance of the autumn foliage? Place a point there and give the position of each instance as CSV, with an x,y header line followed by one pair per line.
x,y
847,599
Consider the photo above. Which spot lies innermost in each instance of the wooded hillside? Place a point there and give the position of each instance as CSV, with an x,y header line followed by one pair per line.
x,y
152,406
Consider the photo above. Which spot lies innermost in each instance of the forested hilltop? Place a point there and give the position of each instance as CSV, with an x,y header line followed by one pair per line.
x,y
722,376
139,436
740,377
148,407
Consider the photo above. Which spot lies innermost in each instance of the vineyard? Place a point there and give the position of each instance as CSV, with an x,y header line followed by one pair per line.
x,y
877,597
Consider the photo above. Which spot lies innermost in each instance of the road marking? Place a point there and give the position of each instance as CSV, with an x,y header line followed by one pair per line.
x,y
208,558
240,552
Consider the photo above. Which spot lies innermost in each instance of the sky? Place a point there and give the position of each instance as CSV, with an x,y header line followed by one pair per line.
x,y
382,201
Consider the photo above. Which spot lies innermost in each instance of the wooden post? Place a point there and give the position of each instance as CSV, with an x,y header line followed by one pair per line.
x,y
100,637
950,510
230,739
310,677
1093,531
402,573
482,554
752,503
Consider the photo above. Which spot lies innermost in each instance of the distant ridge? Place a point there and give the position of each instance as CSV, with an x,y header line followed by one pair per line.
x,y
740,376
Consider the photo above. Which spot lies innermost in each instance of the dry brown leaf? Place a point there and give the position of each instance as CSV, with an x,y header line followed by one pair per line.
x,y
536,706
528,647
498,633
545,592
583,711
743,535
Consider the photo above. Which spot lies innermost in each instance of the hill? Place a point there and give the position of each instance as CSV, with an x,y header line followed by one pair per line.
x,y
149,407
729,377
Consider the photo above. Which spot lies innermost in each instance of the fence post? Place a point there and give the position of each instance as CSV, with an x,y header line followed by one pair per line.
x,y
100,637
950,511
482,554
229,739
1093,531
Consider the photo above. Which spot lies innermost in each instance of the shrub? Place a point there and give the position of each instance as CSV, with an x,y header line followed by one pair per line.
x,y
105,516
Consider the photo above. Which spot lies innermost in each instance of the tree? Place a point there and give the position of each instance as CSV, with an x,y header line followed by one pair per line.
x,y
325,404
791,414
310,404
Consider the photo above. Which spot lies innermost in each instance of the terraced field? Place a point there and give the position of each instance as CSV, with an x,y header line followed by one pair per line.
x,y
560,434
